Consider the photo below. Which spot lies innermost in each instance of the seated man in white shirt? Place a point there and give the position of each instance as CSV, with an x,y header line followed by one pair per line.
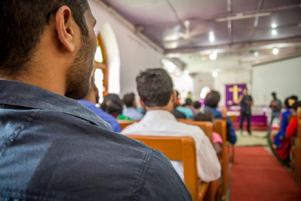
x,y
156,93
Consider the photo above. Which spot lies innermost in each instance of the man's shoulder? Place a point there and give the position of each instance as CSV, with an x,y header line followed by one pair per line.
x,y
217,114
75,154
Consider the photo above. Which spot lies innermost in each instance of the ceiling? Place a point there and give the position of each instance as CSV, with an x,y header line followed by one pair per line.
x,y
235,29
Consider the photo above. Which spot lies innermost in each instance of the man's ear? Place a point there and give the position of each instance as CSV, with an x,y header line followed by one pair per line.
x,y
64,28
174,97
142,103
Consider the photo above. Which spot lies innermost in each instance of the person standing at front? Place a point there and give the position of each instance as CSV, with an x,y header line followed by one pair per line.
x,y
246,101
276,107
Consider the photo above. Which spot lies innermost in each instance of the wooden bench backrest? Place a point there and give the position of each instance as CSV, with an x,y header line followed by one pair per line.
x,y
224,113
207,127
179,149
221,129
124,123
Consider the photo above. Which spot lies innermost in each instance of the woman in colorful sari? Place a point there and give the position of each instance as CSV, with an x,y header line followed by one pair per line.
x,y
283,151
289,102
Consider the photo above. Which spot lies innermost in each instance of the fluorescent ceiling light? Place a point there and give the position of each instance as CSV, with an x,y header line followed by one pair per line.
x,y
274,25
213,56
275,51
241,16
274,32
214,74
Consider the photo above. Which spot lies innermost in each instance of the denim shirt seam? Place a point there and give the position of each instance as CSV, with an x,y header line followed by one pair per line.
x,y
15,134
142,174
48,106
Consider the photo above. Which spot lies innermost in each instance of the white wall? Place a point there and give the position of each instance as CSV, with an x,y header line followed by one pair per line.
x,y
135,54
199,81
283,77
183,84
232,77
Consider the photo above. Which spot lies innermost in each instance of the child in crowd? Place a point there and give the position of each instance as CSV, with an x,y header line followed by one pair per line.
x,y
208,116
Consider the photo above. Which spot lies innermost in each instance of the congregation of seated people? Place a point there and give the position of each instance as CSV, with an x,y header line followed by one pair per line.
x,y
58,142
281,142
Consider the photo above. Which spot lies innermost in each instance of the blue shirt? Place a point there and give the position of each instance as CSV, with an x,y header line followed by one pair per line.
x,y
103,115
284,124
188,113
53,148
132,113
231,136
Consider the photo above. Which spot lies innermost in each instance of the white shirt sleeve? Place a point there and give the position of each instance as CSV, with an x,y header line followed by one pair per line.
x,y
209,168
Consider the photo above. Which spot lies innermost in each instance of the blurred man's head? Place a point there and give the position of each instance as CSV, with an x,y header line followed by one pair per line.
x,y
48,43
212,99
245,91
197,105
274,95
205,115
129,100
155,89
112,105
188,102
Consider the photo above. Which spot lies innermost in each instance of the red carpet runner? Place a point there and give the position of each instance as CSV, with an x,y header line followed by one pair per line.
x,y
257,176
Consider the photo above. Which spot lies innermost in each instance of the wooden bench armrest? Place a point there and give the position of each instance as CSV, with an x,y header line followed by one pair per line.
x,y
203,189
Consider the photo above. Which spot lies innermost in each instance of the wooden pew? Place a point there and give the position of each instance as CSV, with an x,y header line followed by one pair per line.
x,y
207,127
220,128
231,147
124,123
179,149
296,152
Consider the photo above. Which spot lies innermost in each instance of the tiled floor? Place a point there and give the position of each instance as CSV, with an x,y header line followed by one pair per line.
x,y
258,138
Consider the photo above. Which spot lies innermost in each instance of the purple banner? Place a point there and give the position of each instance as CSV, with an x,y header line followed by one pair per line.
x,y
233,91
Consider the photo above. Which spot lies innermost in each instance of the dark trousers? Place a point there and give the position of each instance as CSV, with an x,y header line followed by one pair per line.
x,y
242,117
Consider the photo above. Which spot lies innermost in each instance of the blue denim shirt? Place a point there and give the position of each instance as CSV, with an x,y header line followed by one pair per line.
x,y
231,136
102,114
53,148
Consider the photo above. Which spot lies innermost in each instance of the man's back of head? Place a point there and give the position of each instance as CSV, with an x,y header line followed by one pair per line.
x,y
129,100
212,99
48,43
155,88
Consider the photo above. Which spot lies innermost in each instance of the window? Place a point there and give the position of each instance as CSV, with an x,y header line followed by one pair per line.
x,y
100,69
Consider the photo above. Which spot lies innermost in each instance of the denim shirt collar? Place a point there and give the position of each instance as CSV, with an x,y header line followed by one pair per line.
x,y
24,95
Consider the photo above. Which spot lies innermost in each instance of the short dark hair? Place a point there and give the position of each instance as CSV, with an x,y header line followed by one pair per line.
x,y
112,104
188,101
212,99
155,87
23,22
290,101
274,94
197,105
205,115
296,105
129,99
